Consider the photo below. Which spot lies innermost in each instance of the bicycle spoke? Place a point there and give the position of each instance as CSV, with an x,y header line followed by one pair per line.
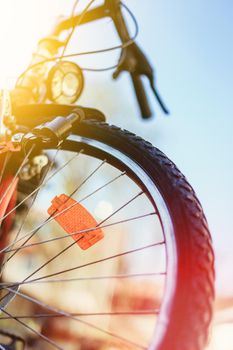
x,y
69,316
80,279
51,276
77,314
31,233
73,243
39,279
51,342
20,168
92,278
88,177
35,230
95,262
28,210
81,232
39,187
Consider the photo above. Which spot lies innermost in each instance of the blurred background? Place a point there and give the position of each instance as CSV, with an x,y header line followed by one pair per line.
x,y
189,44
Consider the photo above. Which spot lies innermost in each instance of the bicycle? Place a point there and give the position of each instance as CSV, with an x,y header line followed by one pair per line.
x,y
155,281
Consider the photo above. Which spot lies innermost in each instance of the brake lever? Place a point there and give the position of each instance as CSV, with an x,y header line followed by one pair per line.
x,y
134,61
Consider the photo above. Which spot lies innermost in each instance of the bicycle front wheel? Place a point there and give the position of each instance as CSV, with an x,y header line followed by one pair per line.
x,y
148,283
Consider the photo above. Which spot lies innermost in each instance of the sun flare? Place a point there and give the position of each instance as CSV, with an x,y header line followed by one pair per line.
x,y
22,24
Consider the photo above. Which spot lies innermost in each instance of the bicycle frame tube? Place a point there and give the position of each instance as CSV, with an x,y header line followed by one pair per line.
x,y
91,15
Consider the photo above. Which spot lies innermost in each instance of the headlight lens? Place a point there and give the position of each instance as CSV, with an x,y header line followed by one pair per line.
x,y
65,82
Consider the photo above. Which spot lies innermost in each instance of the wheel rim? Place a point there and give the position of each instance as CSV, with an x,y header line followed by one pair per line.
x,y
166,223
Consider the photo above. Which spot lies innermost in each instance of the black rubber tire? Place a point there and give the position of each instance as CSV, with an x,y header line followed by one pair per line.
x,y
191,310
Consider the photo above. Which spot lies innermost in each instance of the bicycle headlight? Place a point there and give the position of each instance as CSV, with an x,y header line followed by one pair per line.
x,y
65,82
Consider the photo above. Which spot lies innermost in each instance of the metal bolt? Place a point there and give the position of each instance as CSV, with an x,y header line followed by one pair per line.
x,y
17,137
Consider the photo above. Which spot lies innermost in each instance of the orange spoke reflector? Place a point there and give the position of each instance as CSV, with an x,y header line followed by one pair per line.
x,y
75,219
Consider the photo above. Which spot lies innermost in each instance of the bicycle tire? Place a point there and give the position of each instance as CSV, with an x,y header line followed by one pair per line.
x,y
191,310
186,316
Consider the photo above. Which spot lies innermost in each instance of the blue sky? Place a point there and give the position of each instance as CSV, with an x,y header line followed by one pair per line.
x,y
190,44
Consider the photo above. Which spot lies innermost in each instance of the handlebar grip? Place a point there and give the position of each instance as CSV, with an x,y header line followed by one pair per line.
x,y
141,96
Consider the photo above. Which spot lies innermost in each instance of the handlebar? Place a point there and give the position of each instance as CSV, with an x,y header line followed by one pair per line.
x,y
132,59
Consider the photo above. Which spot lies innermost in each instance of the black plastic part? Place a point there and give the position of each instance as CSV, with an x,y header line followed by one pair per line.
x,y
50,134
31,143
158,97
141,96
57,129
132,59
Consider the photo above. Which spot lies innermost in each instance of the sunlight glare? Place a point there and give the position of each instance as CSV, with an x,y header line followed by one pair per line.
x,y
22,24
103,209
